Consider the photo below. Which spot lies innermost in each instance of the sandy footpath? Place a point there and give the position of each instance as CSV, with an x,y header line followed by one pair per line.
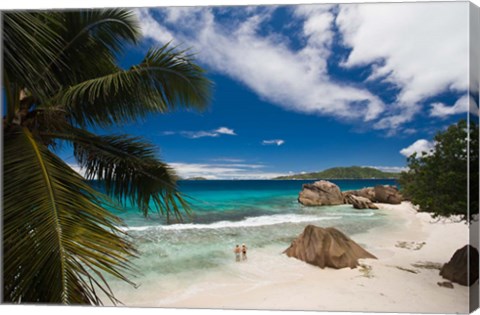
x,y
403,279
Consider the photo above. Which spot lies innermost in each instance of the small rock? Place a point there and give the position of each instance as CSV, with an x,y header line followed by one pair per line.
x,y
428,265
446,284
406,269
366,271
410,245
360,202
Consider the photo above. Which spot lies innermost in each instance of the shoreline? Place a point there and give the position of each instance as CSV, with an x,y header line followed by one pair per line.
x,y
403,279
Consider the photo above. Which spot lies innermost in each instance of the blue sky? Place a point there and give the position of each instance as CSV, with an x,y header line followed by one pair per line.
x,y
305,88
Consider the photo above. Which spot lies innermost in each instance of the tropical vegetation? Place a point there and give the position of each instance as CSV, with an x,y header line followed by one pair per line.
x,y
444,181
61,82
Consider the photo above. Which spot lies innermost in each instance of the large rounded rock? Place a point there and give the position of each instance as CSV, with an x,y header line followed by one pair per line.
x,y
387,194
457,269
360,202
320,193
326,247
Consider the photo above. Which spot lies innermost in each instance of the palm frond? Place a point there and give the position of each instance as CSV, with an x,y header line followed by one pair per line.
x,y
28,48
57,239
164,80
44,51
92,33
113,28
129,168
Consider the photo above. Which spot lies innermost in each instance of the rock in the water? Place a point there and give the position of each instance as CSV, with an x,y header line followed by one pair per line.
x,y
387,194
368,192
320,193
360,202
457,269
326,247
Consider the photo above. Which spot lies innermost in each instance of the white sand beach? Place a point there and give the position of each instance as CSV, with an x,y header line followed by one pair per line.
x,y
403,279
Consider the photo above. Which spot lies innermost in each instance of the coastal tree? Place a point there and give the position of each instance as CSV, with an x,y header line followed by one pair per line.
x,y
438,180
61,80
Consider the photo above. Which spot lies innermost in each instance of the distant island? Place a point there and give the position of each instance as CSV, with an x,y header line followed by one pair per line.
x,y
352,172
195,178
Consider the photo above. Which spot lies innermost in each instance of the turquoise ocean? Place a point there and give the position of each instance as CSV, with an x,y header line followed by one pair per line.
x,y
259,213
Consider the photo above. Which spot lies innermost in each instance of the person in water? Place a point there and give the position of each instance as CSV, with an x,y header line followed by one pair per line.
x,y
237,252
244,252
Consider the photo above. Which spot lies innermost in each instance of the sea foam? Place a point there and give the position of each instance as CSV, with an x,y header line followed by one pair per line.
x,y
247,222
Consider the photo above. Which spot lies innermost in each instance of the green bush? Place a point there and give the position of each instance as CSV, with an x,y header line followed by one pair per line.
x,y
440,181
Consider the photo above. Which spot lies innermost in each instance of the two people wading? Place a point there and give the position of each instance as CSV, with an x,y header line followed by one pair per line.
x,y
240,252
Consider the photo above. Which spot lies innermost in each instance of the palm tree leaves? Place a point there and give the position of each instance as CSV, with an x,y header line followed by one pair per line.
x,y
57,68
92,33
128,168
28,48
57,237
60,75
164,80
45,51
113,28
173,73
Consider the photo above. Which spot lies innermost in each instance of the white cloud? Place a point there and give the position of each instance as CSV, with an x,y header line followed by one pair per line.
x,y
227,169
223,171
225,131
418,147
277,142
150,26
228,160
409,131
390,169
202,133
295,80
463,105
420,47
199,134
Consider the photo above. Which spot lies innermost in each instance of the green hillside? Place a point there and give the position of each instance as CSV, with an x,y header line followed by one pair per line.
x,y
352,172
195,178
